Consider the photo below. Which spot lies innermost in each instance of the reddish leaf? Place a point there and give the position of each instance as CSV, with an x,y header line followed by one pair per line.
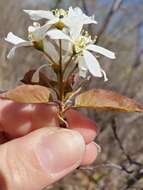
x,y
28,94
43,79
106,100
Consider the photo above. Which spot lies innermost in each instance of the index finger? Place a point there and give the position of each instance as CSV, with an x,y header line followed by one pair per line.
x,y
82,124
18,119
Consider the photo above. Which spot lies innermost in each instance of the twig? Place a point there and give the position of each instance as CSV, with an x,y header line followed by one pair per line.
x,y
84,6
57,3
108,165
69,100
125,32
114,8
133,118
131,161
134,179
137,62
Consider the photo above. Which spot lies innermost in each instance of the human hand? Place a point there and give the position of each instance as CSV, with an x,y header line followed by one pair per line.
x,y
35,152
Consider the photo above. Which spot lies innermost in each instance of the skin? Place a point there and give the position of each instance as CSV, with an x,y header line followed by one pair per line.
x,y
35,151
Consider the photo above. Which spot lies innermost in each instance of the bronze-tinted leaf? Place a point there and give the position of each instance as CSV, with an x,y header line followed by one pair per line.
x,y
43,79
28,94
106,100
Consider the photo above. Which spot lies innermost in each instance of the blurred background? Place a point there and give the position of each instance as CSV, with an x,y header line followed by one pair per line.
x,y
120,28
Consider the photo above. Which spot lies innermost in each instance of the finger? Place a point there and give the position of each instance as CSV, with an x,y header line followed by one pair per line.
x,y
3,138
82,124
40,158
91,152
19,119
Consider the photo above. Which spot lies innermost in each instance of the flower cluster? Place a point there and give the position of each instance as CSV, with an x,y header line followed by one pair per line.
x,y
65,26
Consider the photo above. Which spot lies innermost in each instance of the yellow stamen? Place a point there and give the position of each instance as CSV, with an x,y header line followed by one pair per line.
x,y
80,44
59,25
60,13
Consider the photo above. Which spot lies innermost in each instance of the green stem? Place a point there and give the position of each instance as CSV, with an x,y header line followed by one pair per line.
x,y
61,87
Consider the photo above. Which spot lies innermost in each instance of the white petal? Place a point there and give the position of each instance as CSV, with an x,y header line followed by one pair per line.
x,y
67,47
76,33
74,25
36,24
40,33
86,19
89,20
37,28
82,67
12,51
102,51
53,21
92,64
76,15
78,10
104,75
31,29
82,63
58,34
70,11
76,19
13,39
39,14
50,49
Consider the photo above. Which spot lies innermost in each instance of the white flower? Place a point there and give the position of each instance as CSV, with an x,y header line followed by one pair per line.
x,y
55,17
76,19
81,46
17,41
73,18
36,39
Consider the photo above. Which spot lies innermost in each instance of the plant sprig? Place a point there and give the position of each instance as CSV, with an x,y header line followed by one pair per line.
x,y
69,50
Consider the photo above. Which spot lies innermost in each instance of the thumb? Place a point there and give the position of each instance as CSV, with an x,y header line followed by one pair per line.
x,y
40,158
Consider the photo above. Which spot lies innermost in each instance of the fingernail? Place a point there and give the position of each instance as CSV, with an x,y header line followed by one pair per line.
x,y
98,148
62,150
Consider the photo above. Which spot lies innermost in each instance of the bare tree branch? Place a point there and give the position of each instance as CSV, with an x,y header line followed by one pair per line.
x,y
134,179
129,29
57,3
131,161
133,118
107,165
137,61
85,6
114,8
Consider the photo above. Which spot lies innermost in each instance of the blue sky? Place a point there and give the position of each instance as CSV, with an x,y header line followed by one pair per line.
x,y
127,3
